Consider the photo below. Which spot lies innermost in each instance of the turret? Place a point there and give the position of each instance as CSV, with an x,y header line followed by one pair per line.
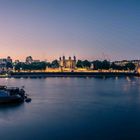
x,y
69,58
74,58
63,57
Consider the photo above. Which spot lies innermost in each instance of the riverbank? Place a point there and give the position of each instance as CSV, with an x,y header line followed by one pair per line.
x,y
67,74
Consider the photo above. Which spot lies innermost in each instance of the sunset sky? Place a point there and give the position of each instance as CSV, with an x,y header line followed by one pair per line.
x,y
89,29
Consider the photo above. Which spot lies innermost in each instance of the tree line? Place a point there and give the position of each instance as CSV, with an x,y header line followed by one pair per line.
x,y
35,66
104,65
95,65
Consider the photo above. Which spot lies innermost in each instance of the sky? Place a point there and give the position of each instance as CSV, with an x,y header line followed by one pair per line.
x,y
89,29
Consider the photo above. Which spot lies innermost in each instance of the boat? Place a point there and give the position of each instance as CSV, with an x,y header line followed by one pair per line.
x,y
12,95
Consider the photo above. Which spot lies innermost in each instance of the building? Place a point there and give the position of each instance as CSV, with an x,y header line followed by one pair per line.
x,y
121,63
9,59
136,62
37,61
138,67
67,63
3,63
124,62
6,64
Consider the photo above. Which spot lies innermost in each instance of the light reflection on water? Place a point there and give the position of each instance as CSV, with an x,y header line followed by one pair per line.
x,y
74,109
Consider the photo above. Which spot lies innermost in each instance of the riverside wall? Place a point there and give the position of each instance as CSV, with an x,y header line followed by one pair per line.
x,y
69,74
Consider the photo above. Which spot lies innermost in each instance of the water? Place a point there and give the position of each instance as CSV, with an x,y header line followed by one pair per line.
x,y
74,109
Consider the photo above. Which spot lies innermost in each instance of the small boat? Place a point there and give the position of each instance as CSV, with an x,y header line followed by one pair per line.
x,y
12,95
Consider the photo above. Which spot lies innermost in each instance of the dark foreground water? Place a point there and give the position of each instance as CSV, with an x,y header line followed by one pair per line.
x,y
74,109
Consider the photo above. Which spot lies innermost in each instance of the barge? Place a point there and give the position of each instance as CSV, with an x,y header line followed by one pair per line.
x,y
12,95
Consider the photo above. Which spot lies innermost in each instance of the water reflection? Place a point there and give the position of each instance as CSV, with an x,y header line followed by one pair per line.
x,y
74,109
10,106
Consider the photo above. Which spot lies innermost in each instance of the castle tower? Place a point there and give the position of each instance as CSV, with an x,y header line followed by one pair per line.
x,y
69,58
63,57
74,58
64,62
74,62
67,64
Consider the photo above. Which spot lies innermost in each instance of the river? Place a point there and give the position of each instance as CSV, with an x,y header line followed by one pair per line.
x,y
73,109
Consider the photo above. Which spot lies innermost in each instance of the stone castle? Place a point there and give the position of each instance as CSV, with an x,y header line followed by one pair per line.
x,y
67,63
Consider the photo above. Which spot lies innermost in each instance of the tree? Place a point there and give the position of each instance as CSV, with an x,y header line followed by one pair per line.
x,y
9,65
86,64
37,66
55,64
113,66
43,65
18,66
48,64
79,64
105,65
130,66
97,64
117,67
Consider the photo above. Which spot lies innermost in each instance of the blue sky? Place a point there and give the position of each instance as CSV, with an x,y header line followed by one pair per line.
x,y
89,29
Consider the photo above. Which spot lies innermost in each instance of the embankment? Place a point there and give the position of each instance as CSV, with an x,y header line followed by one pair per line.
x,y
69,74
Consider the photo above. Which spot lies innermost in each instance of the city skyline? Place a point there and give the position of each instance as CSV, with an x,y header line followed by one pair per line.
x,y
47,29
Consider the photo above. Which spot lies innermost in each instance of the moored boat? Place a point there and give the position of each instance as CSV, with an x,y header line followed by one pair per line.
x,y
12,95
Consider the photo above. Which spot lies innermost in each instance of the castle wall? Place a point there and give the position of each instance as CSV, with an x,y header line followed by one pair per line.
x,y
67,63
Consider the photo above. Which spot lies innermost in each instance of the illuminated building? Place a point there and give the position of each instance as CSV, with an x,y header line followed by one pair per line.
x,y
67,63
138,67
121,63
124,62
